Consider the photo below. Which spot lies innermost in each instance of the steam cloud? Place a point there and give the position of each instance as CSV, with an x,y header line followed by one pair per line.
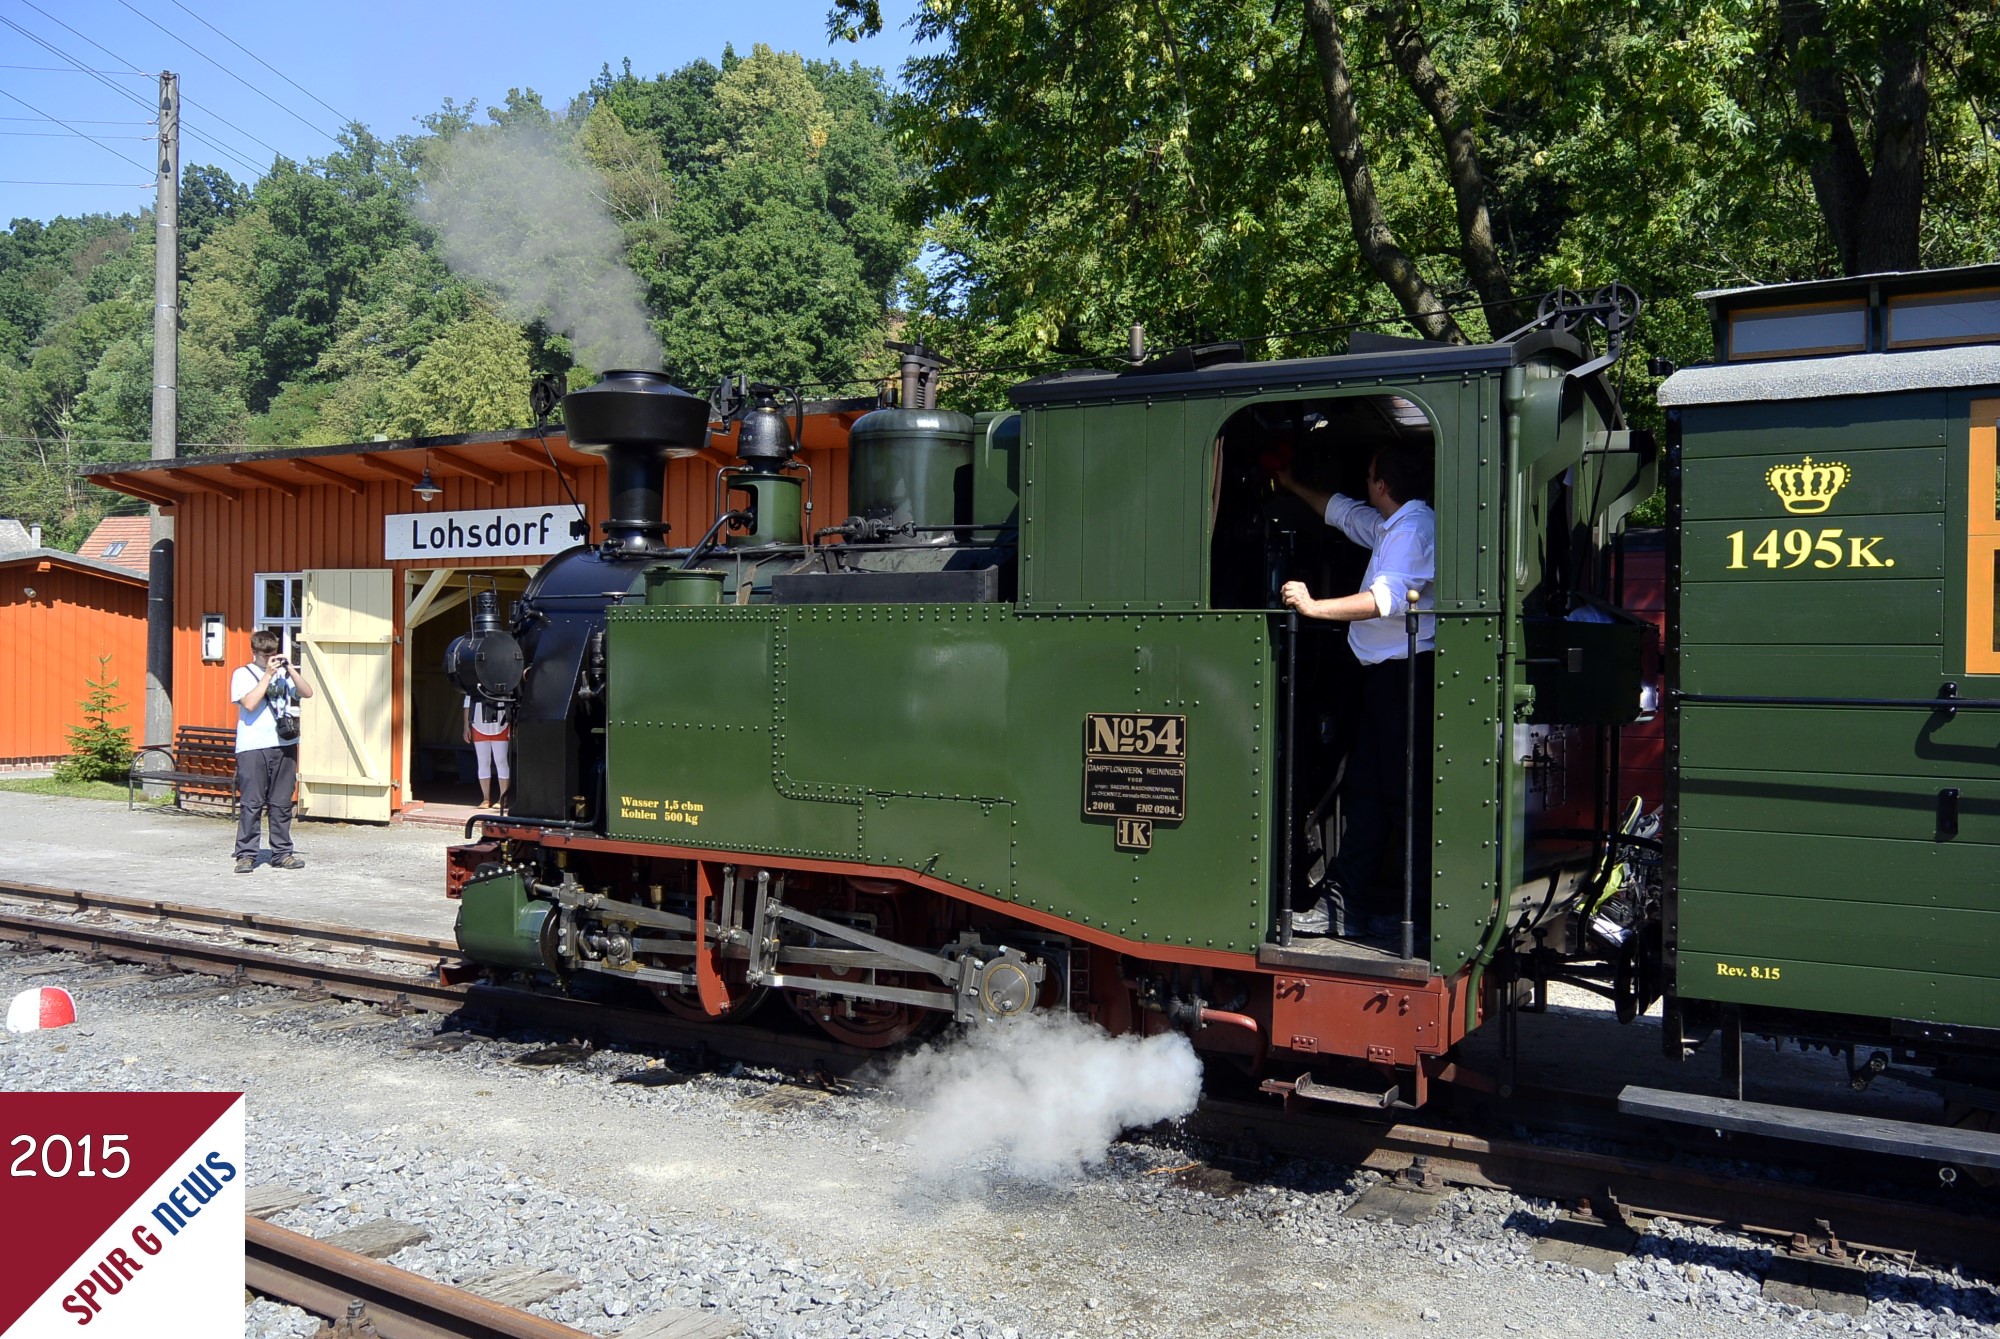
x,y
512,209
1041,1097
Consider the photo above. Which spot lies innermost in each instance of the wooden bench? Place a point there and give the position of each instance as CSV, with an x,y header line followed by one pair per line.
x,y
201,767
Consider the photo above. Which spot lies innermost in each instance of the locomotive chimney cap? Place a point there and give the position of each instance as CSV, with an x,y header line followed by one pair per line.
x,y
634,408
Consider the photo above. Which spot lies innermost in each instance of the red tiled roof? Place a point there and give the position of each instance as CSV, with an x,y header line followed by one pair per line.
x,y
134,532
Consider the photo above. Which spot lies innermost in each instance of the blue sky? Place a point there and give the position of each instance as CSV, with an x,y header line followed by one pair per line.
x,y
378,63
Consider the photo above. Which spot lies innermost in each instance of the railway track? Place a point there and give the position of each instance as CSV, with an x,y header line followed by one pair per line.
x,y
1609,1195
354,1291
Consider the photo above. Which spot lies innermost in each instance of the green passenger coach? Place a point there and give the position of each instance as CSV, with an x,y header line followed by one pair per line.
x,y
1833,812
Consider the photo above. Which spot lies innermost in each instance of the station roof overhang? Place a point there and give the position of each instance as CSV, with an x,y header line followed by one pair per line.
x,y
486,456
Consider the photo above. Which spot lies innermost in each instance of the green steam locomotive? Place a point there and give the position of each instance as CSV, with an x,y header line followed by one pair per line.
x,y
1033,730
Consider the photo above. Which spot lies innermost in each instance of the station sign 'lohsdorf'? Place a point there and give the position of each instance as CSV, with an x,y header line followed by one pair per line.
x,y
490,532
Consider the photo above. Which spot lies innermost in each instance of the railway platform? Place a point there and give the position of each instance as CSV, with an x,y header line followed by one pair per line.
x,y
381,878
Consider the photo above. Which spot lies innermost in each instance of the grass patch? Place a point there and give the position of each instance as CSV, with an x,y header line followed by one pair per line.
x,y
72,790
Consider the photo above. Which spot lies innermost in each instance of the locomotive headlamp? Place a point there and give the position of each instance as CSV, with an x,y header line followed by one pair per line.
x,y
488,663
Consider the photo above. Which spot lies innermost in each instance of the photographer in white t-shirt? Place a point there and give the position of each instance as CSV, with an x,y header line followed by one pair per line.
x,y
267,692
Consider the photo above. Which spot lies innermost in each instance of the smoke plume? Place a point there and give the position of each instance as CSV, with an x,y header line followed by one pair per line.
x,y
1039,1098
513,210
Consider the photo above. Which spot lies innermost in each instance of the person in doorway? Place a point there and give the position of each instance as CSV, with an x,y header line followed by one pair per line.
x,y
267,693
486,729
1400,532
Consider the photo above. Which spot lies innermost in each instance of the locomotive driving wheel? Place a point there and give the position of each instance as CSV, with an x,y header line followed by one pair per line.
x,y
885,910
685,1001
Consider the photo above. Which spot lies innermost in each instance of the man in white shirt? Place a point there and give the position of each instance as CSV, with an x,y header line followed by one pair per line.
x,y
1400,532
266,693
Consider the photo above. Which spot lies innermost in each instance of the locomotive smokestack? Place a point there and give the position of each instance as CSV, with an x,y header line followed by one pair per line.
x,y
637,421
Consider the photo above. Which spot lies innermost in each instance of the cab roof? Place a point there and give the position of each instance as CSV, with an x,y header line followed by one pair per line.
x,y
1216,369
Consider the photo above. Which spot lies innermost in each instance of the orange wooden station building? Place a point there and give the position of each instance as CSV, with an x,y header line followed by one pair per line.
x,y
337,549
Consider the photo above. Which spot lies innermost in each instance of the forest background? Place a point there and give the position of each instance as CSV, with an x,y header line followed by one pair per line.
x,y
1053,174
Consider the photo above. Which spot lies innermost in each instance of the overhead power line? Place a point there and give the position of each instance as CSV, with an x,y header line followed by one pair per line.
x,y
345,119
75,69
50,134
67,126
228,151
233,126
79,121
129,65
129,185
101,76
317,130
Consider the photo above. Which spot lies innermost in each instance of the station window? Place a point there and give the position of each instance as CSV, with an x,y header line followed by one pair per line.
x,y
1799,331
1982,544
278,599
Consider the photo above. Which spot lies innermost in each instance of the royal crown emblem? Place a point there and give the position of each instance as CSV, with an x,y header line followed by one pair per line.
x,y
1806,488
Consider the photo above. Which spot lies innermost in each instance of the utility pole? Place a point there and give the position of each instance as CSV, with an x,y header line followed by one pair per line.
x,y
166,413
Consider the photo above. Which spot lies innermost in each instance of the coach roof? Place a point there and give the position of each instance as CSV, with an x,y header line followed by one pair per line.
x,y
1842,374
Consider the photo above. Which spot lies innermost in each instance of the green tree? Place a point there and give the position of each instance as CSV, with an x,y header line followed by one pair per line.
x,y
326,223
209,198
1171,164
763,220
98,750
472,377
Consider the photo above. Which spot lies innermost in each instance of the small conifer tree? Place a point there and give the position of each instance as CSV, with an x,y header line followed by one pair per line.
x,y
99,750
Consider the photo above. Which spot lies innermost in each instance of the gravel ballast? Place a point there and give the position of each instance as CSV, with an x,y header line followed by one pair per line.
x,y
797,1212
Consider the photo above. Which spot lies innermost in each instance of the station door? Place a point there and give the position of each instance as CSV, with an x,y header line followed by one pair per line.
x,y
346,637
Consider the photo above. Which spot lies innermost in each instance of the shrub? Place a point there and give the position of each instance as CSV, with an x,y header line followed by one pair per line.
x,y
99,750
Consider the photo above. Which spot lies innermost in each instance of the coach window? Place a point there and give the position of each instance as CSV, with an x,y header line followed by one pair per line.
x,y
1808,330
278,603
1927,320
1982,545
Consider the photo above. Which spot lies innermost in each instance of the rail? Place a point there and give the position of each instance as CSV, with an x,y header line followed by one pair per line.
x,y
327,1281
81,901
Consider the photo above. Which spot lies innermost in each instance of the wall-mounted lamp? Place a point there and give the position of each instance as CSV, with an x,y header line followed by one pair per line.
x,y
28,591
426,487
